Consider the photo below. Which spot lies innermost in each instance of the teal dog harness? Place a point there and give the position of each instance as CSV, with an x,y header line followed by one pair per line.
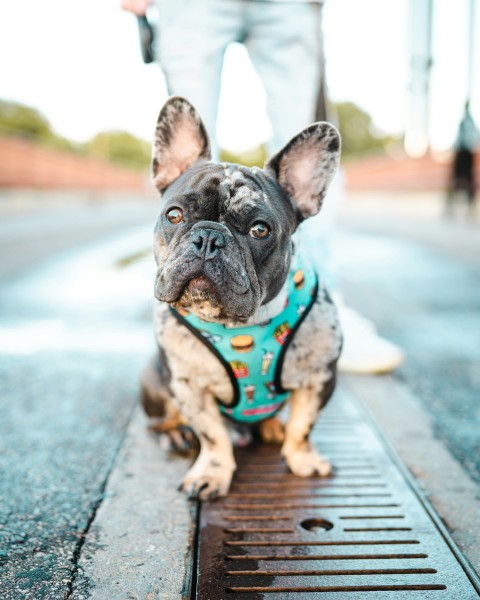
x,y
253,355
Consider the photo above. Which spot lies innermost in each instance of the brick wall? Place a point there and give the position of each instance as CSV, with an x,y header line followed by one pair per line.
x,y
401,173
24,164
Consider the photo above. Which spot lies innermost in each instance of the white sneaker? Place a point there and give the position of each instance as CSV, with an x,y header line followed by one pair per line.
x,y
364,351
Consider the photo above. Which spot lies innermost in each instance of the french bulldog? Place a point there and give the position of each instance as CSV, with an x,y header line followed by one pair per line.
x,y
226,258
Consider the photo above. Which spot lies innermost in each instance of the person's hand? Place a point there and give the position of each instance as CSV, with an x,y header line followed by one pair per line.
x,y
137,7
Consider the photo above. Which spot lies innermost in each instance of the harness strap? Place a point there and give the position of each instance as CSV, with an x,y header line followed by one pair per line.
x,y
253,356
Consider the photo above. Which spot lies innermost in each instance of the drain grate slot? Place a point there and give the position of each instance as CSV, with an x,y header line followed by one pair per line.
x,y
257,518
345,588
377,529
332,543
362,532
325,573
262,557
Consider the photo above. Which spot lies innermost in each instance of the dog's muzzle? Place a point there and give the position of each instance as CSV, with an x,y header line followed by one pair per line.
x,y
206,242
207,238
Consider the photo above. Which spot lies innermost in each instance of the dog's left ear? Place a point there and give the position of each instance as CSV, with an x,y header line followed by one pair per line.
x,y
180,140
306,165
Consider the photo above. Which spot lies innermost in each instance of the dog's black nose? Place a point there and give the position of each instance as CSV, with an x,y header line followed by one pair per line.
x,y
206,242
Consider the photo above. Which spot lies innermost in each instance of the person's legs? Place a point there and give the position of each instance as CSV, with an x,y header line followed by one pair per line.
x,y
192,38
283,41
285,46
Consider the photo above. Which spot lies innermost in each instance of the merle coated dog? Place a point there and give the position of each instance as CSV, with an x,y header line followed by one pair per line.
x,y
242,322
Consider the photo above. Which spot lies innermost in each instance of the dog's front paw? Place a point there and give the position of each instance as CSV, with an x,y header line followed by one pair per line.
x,y
207,481
305,463
178,436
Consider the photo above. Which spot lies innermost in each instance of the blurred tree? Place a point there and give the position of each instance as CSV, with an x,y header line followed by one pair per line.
x,y
119,147
122,148
255,157
356,127
359,135
24,121
17,119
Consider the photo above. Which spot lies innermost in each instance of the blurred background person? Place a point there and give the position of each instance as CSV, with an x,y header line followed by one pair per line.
x,y
463,165
285,44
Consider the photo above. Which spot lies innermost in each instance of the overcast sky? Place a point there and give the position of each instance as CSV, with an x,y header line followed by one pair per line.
x,y
78,61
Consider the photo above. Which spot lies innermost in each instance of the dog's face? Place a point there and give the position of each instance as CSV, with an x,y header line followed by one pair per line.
x,y
223,237
223,241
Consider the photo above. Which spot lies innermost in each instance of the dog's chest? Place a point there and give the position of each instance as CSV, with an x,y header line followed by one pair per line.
x,y
307,361
189,359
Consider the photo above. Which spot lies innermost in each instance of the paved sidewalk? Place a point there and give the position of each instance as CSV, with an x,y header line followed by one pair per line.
x,y
140,542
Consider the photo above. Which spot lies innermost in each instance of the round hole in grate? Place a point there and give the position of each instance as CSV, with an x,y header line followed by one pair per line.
x,y
315,524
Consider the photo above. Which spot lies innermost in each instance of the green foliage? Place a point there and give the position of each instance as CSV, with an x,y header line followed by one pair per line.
x,y
23,121
358,133
117,147
122,148
359,137
255,157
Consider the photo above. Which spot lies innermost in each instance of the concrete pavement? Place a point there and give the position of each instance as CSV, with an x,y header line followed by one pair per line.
x,y
35,227
140,543
74,333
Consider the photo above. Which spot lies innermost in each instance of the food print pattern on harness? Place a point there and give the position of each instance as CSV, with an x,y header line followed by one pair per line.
x,y
253,355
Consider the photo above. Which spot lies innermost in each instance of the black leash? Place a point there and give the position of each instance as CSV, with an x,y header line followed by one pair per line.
x,y
147,37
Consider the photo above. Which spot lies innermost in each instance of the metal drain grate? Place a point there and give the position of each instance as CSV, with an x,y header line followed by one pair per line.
x,y
362,531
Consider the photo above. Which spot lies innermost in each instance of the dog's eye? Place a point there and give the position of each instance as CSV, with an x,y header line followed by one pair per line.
x,y
259,230
175,215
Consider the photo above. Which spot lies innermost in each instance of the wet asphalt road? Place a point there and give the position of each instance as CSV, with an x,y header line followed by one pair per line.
x,y
74,333
75,330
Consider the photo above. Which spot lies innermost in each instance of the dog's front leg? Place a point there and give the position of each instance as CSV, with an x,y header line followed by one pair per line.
x,y
211,474
299,454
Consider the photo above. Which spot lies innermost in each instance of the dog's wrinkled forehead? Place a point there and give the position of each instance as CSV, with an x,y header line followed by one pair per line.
x,y
229,188
240,189
301,170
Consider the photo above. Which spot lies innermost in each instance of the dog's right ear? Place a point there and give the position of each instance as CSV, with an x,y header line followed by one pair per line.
x,y
180,140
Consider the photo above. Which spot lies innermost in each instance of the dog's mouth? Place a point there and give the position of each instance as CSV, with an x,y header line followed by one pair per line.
x,y
198,290
200,284
212,291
